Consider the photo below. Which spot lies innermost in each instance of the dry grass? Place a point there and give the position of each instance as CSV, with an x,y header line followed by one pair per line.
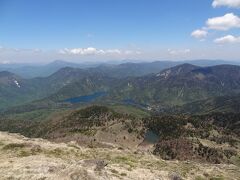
x,y
23,158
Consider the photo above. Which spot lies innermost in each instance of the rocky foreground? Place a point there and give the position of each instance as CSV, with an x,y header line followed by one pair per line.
x,y
26,158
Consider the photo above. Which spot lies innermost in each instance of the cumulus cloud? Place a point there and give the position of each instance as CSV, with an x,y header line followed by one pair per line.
x,y
82,51
95,51
228,3
130,52
112,51
226,22
199,34
179,52
227,39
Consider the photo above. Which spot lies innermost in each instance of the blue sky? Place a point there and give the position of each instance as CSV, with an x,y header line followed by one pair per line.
x,y
77,30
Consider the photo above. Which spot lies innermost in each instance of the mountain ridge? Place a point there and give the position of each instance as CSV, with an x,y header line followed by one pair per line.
x,y
178,85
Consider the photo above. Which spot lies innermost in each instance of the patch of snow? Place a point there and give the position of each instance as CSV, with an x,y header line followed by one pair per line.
x,y
164,74
16,82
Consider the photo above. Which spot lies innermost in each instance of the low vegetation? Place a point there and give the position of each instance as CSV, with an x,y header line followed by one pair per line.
x,y
41,159
119,138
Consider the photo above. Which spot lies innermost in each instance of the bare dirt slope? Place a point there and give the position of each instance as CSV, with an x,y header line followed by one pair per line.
x,y
24,158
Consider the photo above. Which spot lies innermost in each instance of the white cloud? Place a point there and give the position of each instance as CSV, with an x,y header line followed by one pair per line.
x,y
112,51
37,50
179,52
95,51
82,51
227,39
130,52
199,34
225,22
228,3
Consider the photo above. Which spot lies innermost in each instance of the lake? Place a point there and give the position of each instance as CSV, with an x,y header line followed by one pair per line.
x,y
151,137
86,98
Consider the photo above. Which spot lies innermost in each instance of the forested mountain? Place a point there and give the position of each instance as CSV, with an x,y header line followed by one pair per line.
x,y
174,86
181,84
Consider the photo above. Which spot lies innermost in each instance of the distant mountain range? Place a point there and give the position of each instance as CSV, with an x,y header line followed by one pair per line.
x,y
148,85
32,71
117,69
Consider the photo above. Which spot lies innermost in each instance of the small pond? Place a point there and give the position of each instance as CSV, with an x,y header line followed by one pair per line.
x,y
86,98
151,137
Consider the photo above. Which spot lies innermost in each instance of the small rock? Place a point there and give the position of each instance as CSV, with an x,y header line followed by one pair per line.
x,y
52,169
120,148
36,149
175,176
100,164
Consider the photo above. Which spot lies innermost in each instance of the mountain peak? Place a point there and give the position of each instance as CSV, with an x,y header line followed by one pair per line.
x,y
58,62
185,67
177,70
64,71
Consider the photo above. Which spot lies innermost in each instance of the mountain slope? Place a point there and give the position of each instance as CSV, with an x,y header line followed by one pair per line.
x,y
15,90
12,89
216,104
41,159
212,138
174,86
181,84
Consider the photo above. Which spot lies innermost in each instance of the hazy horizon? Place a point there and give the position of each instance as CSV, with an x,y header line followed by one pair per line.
x,y
218,61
